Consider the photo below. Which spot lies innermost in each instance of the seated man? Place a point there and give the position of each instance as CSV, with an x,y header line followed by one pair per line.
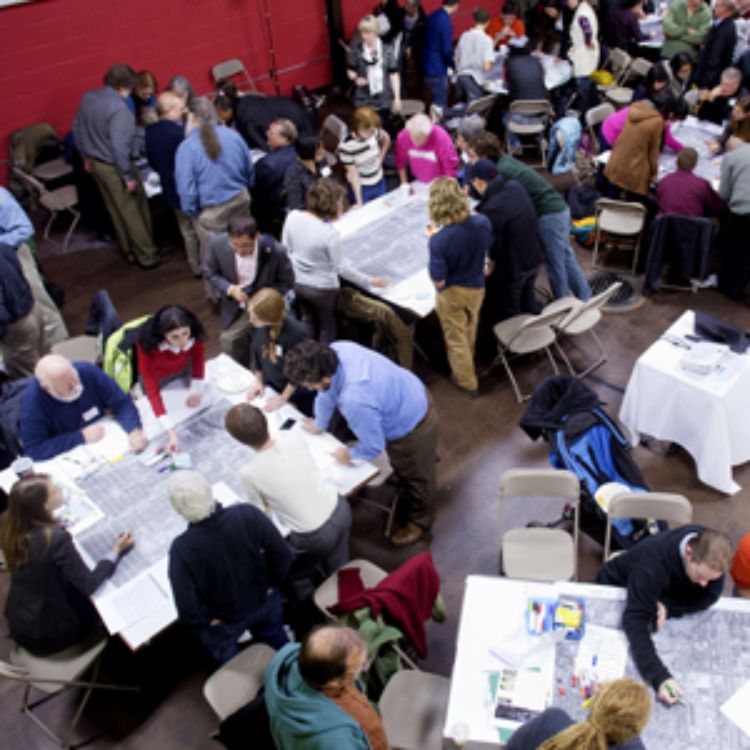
x,y
225,569
668,575
717,103
282,477
237,264
474,57
387,408
507,26
684,193
61,404
426,149
314,698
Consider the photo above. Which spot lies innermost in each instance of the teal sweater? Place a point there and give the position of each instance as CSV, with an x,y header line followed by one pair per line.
x,y
303,718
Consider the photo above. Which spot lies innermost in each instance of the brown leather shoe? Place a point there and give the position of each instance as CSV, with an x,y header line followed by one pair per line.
x,y
407,535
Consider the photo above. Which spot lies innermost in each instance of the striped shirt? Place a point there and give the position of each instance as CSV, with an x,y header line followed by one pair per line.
x,y
365,156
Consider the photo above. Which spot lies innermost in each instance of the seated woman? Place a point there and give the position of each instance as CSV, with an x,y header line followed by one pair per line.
x,y
275,333
738,125
170,345
302,173
656,84
681,69
48,607
314,247
362,154
619,712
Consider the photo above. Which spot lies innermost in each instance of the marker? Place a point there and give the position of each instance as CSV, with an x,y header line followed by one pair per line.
x,y
586,703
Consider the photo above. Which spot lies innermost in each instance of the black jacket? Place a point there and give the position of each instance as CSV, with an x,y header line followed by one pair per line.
x,y
525,78
253,115
222,567
16,299
48,606
716,53
653,571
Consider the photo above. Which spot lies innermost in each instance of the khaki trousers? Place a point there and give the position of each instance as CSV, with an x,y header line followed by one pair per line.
x,y
130,214
190,239
24,343
458,310
235,340
55,330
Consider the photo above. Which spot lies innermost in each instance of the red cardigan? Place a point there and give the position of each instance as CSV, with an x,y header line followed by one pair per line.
x,y
157,365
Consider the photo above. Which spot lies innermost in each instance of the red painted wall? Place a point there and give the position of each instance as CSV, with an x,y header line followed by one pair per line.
x,y
55,50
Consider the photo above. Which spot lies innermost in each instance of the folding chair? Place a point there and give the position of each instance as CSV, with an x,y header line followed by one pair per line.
x,y
619,94
525,334
594,117
61,199
223,71
622,219
54,673
582,317
413,707
482,106
540,553
540,109
661,506
332,132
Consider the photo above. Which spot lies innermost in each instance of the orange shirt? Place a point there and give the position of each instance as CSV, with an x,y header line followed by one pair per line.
x,y
496,25
741,564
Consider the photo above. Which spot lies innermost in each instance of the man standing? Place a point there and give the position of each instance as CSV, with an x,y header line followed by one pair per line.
x,y
718,49
314,698
22,339
686,24
104,132
162,141
387,408
438,51
61,405
668,575
237,264
225,569
426,149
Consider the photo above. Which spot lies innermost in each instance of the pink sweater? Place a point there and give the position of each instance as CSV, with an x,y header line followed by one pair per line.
x,y
436,157
613,125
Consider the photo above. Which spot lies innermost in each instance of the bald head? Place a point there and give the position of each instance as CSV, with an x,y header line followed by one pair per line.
x,y
331,655
170,106
58,377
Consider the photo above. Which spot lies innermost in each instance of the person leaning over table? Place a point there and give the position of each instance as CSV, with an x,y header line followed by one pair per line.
x,y
459,252
225,569
671,574
48,607
170,345
387,408
426,149
619,712
314,247
275,332
61,404
716,105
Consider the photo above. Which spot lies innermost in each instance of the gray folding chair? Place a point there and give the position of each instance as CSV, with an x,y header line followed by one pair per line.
x,y
539,553
622,219
594,117
619,94
223,71
238,681
413,707
660,506
582,317
543,113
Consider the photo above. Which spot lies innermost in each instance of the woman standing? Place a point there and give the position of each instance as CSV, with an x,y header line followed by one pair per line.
x,y
314,247
48,607
275,333
170,345
458,257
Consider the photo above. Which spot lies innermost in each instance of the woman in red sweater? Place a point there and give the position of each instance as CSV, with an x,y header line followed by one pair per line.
x,y
170,345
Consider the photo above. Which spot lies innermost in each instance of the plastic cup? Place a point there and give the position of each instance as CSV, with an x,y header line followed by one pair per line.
x,y
23,467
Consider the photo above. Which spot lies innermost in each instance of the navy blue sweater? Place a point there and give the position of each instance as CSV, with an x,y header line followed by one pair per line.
x,y
16,300
48,426
162,140
438,44
458,252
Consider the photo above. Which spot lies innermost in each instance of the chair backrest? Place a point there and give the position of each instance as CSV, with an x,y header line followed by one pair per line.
x,y
661,506
481,106
620,61
620,217
332,132
639,67
533,108
597,115
224,70
34,186
327,594
692,98
596,302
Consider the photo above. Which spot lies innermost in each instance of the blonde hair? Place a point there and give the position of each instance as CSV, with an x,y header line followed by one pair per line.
x,y
268,305
712,548
365,118
448,203
620,710
369,23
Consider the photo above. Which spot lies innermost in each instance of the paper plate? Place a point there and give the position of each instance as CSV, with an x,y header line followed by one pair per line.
x,y
234,382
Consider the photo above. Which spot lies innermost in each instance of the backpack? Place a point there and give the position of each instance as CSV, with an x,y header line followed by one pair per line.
x,y
119,360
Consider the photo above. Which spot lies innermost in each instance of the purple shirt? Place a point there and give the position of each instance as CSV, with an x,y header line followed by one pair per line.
x,y
686,194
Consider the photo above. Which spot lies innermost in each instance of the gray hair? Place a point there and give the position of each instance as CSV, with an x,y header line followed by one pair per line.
x,y
190,495
419,125
470,125
734,74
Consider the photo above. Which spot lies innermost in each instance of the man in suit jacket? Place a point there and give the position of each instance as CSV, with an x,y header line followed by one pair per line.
x,y
718,48
238,264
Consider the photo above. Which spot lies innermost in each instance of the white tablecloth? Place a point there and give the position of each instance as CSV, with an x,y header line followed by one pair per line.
x,y
708,415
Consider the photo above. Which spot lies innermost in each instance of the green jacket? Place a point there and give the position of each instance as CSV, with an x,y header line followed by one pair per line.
x,y
676,24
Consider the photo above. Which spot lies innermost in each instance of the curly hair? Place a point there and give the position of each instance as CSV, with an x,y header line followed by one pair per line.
x,y
309,362
448,203
168,318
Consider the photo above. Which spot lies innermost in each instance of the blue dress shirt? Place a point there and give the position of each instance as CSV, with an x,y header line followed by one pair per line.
x,y
15,226
379,400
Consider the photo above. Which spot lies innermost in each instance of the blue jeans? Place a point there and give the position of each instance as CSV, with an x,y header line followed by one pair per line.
x,y
439,89
370,192
564,273
266,625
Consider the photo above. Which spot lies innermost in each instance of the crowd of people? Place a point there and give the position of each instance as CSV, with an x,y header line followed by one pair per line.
x,y
259,230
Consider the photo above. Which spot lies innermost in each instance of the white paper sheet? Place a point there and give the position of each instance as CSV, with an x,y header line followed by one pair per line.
x,y
737,708
602,655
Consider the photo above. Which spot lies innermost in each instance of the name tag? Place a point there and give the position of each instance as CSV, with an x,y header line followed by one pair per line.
x,y
416,153
92,413
326,172
279,350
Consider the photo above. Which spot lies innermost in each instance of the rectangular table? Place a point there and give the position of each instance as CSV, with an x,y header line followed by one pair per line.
x,y
125,494
708,653
705,414
557,72
388,237
696,134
